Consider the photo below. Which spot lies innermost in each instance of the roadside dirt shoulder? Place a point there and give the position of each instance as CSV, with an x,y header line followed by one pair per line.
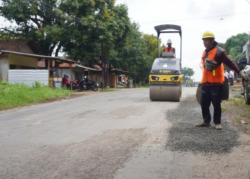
x,y
237,111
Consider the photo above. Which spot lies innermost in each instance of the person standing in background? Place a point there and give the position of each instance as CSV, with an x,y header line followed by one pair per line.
x,y
231,77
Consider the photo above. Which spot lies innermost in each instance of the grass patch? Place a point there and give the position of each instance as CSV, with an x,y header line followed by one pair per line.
x,y
14,95
239,101
223,109
238,111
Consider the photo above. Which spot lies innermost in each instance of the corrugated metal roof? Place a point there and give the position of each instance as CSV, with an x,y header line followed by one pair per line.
x,y
37,56
85,67
57,59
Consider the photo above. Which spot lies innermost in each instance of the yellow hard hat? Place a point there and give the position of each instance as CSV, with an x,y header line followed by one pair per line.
x,y
207,35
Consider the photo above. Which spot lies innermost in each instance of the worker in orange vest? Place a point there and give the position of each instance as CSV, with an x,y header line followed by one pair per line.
x,y
213,60
169,47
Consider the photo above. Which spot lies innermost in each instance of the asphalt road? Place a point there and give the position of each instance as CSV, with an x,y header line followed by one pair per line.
x,y
120,135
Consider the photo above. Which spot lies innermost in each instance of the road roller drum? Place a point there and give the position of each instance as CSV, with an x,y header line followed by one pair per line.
x,y
165,92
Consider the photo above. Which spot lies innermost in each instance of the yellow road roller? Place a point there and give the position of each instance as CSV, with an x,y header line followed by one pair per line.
x,y
165,79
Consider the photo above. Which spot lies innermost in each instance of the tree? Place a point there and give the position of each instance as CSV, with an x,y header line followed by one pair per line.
x,y
132,56
235,44
151,45
79,27
98,32
37,21
187,72
88,31
137,54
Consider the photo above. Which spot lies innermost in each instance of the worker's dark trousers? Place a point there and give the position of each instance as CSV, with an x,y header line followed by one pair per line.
x,y
211,94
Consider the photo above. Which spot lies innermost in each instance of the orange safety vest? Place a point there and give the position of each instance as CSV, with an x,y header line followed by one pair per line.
x,y
215,76
169,49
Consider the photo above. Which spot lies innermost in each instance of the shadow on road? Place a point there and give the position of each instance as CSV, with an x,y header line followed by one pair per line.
x,y
184,136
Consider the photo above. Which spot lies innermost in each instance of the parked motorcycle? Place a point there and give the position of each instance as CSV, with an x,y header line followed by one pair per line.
x,y
87,84
74,85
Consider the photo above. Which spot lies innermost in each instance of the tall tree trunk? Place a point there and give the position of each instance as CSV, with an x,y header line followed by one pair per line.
x,y
51,49
58,48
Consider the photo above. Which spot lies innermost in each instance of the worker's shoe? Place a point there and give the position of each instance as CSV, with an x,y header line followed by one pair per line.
x,y
203,125
218,126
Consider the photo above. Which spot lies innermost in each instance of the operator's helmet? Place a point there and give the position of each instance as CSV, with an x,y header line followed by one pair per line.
x,y
169,41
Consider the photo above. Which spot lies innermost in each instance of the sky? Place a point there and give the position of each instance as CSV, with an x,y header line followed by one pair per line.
x,y
223,17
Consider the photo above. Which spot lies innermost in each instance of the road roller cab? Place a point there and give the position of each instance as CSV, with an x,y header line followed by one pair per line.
x,y
165,78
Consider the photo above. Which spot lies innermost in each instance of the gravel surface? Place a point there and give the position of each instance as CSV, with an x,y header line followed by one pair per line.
x,y
184,136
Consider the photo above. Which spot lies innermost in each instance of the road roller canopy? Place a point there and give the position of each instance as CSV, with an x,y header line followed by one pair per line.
x,y
169,28
166,66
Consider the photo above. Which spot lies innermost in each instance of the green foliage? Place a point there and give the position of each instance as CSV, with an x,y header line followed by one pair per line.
x,y
85,30
14,95
151,45
235,44
237,103
187,72
221,45
37,84
97,32
36,21
137,54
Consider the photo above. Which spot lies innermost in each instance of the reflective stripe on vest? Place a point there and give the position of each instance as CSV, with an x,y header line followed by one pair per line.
x,y
215,76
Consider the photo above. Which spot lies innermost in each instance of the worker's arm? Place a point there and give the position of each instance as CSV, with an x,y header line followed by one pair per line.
x,y
229,63
223,58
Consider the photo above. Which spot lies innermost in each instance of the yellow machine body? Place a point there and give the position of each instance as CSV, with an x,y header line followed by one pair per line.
x,y
165,80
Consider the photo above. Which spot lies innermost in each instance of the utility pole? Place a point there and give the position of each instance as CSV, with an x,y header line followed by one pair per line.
x,y
104,64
